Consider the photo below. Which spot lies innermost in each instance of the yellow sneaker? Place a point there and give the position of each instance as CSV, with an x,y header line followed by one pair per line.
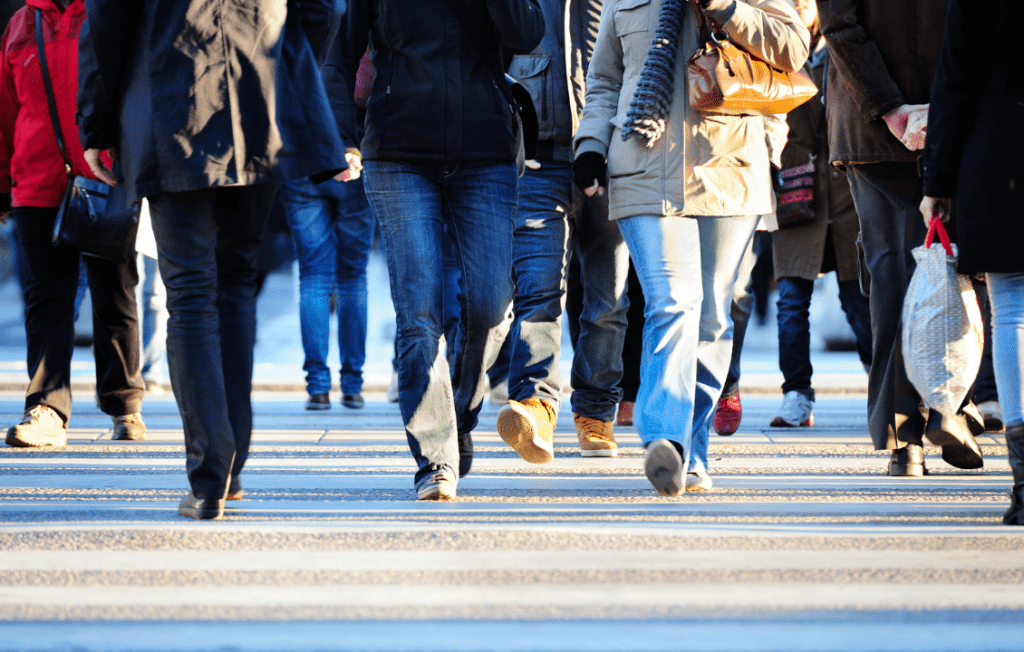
x,y
528,427
596,437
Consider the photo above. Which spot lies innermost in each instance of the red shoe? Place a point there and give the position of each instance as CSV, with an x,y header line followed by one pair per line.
x,y
625,413
728,414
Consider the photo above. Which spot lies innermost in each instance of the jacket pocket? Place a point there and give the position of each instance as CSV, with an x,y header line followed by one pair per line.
x,y
631,16
534,73
726,141
626,157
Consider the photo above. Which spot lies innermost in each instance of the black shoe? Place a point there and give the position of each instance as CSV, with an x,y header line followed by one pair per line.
x,y
908,462
318,402
201,508
959,447
354,401
1015,451
465,454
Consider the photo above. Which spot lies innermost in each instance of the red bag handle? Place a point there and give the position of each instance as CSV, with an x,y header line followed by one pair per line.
x,y
936,226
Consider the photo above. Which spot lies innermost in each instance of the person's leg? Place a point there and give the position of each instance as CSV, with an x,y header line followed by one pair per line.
x,y
858,315
632,347
49,277
152,297
604,269
353,233
310,212
739,312
887,196
1006,293
407,202
794,306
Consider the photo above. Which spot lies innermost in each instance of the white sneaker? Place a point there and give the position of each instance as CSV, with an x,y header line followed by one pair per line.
x,y
40,427
797,410
392,392
698,481
436,486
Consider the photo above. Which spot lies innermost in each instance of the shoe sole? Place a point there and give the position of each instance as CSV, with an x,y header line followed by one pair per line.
x,y
779,422
906,470
518,429
436,493
129,437
702,487
12,439
664,469
353,406
600,452
201,513
726,432
318,406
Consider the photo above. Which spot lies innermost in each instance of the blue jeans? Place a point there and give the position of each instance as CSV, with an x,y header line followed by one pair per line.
x,y
554,217
422,209
687,267
795,329
332,228
151,296
1006,292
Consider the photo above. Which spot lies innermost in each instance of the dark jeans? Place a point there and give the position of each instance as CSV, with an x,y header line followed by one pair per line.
x,y
208,241
887,196
985,386
49,277
795,329
742,303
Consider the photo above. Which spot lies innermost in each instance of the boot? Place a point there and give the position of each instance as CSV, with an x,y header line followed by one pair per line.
x,y
1015,450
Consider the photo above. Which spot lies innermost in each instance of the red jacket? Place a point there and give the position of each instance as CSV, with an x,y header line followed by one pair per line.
x,y
31,167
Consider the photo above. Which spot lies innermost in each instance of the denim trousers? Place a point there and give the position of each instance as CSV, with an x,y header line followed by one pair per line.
x,y
554,219
208,241
1006,293
423,208
151,297
50,280
332,228
887,197
687,267
794,306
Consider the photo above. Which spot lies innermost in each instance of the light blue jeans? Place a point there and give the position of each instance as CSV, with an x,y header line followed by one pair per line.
x,y
151,296
554,218
687,267
332,228
1006,292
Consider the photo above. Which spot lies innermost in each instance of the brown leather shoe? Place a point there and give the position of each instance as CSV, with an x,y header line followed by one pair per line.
x,y
129,427
596,437
528,427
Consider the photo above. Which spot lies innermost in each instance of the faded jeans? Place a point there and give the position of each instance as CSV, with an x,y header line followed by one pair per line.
x,y
423,208
687,267
1006,292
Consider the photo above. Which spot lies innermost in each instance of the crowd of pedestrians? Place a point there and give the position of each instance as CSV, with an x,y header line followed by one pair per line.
x,y
397,118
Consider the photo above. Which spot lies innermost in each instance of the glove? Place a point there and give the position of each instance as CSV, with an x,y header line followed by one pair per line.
x,y
587,168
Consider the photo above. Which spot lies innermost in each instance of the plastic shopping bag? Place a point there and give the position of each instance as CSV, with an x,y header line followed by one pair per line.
x,y
942,330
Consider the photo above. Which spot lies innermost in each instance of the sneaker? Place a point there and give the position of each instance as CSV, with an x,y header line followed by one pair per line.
x,y
991,415
797,410
595,436
625,417
201,508
129,427
235,491
499,393
664,467
728,414
436,486
528,427
40,427
353,401
392,392
318,402
698,482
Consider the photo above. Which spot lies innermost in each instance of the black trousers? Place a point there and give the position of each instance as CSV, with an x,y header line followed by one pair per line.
x,y
49,282
208,242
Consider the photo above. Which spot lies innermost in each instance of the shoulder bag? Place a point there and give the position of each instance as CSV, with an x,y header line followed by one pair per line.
x,y
722,78
93,217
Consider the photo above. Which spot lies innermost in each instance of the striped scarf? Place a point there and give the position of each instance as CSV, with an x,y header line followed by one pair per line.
x,y
648,110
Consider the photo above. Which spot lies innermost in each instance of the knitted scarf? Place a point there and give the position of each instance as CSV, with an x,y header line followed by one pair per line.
x,y
648,110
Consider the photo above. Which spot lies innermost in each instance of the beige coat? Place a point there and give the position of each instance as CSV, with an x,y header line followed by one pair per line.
x,y
703,164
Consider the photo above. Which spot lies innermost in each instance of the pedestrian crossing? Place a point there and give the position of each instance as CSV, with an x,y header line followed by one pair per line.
x,y
805,544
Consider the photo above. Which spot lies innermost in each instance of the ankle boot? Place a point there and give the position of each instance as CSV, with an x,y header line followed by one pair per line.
x,y
1015,449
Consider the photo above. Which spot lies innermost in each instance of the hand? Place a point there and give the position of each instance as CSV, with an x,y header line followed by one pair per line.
x,y
917,130
102,172
589,173
355,167
897,119
935,206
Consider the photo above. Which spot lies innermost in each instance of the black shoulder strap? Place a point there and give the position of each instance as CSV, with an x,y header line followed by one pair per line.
x,y
50,100
476,38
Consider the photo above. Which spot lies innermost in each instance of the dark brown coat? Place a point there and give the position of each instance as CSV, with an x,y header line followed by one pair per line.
x,y
883,54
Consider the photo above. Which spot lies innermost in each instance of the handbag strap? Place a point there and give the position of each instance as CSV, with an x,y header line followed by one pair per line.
x,y
476,38
50,100
707,26
936,226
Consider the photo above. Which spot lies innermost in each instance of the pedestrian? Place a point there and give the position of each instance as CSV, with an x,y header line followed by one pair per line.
x,y
151,297
686,189
882,61
823,240
32,179
555,222
439,162
974,154
206,107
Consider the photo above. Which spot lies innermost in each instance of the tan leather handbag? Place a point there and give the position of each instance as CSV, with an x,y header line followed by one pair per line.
x,y
725,79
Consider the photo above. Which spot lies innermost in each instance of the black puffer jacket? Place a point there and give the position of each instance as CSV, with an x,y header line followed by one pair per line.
x,y
434,98
197,94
